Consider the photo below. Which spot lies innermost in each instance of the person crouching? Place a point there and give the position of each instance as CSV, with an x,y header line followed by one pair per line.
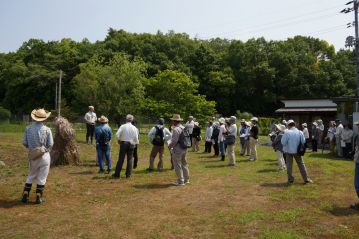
x,y
38,139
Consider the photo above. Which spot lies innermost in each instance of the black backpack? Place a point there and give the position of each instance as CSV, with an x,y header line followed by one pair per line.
x,y
185,139
215,133
158,139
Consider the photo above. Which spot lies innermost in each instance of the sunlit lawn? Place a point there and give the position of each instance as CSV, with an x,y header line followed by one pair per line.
x,y
250,200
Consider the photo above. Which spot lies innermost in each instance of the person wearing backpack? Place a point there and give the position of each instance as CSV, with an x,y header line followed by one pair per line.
x,y
103,135
179,145
157,136
214,138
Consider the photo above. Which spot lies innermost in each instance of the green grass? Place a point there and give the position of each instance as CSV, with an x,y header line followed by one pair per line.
x,y
250,200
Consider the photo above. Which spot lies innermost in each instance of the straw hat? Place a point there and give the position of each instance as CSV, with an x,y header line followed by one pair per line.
x,y
280,127
176,117
91,107
315,123
103,119
254,119
248,123
40,115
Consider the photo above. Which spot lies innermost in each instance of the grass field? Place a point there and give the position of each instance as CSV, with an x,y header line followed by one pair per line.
x,y
250,200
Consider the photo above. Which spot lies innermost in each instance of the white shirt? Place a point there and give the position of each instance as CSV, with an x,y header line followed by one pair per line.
x,y
90,117
222,129
209,132
306,133
232,130
166,133
190,125
128,132
347,135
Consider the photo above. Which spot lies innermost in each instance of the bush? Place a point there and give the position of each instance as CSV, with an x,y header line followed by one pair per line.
x,y
5,114
264,123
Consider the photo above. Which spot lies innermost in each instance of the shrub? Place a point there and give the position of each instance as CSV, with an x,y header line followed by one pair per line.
x,y
5,114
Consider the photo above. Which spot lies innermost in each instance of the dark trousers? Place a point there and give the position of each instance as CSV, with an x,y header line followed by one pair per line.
x,y
314,145
207,146
346,150
216,148
135,157
125,149
356,178
90,128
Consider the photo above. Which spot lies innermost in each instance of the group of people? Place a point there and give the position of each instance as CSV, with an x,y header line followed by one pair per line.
x,y
288,142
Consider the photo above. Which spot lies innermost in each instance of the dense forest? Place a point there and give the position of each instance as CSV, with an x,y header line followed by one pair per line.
x,y
160,74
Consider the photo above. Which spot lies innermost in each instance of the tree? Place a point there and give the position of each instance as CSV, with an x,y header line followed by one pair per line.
x,y
115,89
172,92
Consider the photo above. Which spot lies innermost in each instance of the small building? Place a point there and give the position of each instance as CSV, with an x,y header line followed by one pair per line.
x,y
308,110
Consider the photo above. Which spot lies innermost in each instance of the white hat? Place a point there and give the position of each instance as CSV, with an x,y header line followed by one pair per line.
x,y
290,121
129,117
315,123
280,127
254,119
221,120
232,119
304,124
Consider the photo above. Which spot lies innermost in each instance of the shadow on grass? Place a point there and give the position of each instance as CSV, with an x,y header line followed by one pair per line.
x,y
274,185
267,170
324,156
13,203
343,211
144,171
217,166
153,186
82,173
210,161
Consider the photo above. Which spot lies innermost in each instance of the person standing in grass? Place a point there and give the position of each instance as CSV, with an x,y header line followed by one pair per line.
x,y
222,131
346,137
38,139
196,137
179,152
253,139
135,150
314,136
127,138
356,169
214,139
278,147
232,133
103,135
338,133
291,140
157,136
305,133
208,143
90,119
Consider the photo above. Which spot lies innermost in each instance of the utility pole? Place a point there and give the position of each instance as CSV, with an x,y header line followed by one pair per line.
x,y
351,41
56,96
355,3
59,96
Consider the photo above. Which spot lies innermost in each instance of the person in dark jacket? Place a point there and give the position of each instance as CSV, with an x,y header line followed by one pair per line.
x,y
315,137
196,137
253,139
214,138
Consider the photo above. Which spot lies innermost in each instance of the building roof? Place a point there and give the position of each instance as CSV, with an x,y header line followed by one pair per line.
x,y
306,109
309,103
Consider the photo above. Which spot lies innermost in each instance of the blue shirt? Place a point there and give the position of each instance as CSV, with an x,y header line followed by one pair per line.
x,y
291,140
106,129
37,135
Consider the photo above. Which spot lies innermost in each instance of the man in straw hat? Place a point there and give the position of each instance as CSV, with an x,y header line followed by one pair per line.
x,y
291,139
179,152
90,119
356,171
127,137
38,139
103,135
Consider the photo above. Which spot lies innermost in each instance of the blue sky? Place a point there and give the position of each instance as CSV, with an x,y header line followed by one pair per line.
x,y
21,20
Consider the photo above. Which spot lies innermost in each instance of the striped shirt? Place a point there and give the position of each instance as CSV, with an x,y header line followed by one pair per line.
x,y
36,135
